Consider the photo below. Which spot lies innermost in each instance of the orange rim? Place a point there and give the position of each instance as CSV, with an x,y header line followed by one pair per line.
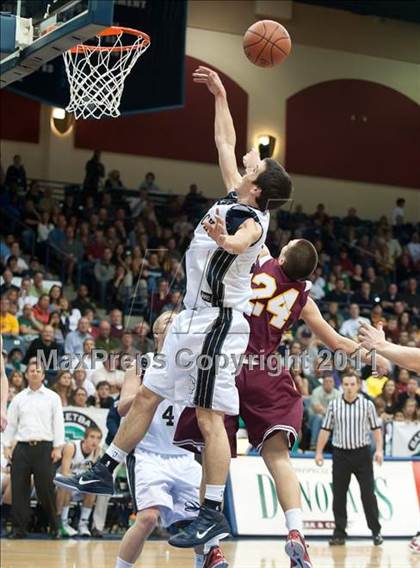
x,y
114,30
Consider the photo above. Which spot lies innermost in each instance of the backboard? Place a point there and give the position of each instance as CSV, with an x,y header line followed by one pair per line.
x,y
37,70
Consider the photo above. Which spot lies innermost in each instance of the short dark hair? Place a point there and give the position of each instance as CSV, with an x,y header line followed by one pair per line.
x,y
300,260
275,184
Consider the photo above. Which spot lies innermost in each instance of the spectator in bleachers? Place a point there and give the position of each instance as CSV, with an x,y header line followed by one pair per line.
x,y
38,288
69,317
377,283
374,385
63,386
194,204
95,172
80,380
397,214
44,344
350,327
82,300
9,324
74,340
411,392
413,248
116,321
44,228
142,341
16,174
17,381
41,310
15,361
7,282
409,410
174,304
391,296
113,181
412,297
118,290
320,397
339,293
73,252
29,326
389,396
49,204
55,295
79,397
127,344
104,340
159,298
149,182
89,363
102,397
364,298
55,322
104,272
15,251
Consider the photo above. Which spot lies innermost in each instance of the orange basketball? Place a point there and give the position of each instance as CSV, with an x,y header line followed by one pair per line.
x,y
267,43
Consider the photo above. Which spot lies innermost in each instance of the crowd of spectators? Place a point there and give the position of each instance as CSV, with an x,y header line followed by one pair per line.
x,y
95,268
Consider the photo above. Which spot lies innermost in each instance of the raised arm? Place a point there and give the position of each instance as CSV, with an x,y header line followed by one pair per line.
x,y
224,130
333,340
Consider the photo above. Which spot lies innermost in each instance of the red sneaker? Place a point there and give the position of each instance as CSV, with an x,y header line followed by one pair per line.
x,y
215,559
296,550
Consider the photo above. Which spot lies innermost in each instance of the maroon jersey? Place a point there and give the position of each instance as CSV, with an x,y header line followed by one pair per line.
x,y
278,303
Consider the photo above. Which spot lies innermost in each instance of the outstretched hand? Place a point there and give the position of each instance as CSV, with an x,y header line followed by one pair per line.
x,y
371,337
216,229
210,78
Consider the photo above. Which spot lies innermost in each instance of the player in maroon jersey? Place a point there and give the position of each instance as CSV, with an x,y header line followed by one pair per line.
x,y
270,403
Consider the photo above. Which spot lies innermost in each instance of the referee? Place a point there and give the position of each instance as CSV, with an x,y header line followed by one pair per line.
x,y
350,418
36,425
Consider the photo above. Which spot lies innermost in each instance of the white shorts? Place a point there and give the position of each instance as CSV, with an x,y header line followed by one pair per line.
x,y
165,482
202,352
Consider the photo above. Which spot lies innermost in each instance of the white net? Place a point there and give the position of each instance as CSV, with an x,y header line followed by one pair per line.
x,y
97,73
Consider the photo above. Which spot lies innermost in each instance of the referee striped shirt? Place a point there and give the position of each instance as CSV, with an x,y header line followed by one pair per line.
x,y
350,422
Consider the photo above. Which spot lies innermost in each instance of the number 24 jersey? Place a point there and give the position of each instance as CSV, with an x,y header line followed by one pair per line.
x,y
277,304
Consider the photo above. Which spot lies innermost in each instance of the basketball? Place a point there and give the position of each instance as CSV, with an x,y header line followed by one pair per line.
x,y
267,43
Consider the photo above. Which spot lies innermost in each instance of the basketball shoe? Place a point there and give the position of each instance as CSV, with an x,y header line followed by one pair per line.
x,y
215,559
296,550
67,531
84,530
97,480
209,524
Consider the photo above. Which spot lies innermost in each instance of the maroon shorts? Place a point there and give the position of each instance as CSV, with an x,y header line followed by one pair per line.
x,y
268,404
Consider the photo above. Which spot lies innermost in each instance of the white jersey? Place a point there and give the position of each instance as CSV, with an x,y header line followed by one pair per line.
x,y
160,435
214,276
80,462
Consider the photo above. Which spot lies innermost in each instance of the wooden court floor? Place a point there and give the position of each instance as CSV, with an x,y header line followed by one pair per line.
x,y
250,553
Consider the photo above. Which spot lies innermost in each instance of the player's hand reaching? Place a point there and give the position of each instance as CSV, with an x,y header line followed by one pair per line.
x,y
216,229
210,78
371,337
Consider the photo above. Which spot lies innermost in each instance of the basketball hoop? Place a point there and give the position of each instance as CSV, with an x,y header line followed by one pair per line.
x,y
96,73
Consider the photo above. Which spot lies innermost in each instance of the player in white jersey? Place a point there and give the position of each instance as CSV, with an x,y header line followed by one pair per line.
x,y
78,456
207,338
163,478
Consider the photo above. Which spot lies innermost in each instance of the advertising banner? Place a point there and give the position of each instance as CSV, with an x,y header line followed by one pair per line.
x,y
256,510
77,420
405,439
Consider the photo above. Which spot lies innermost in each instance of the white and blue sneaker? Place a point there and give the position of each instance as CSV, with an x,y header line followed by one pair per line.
x,y
97,480
208,525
